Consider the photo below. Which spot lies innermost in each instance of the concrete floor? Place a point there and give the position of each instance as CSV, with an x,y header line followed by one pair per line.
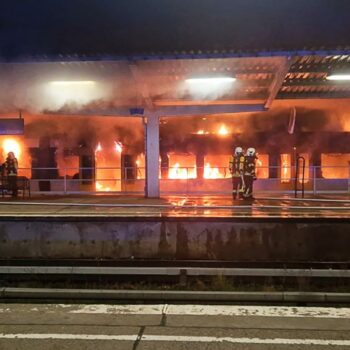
x,y
57,326
175,206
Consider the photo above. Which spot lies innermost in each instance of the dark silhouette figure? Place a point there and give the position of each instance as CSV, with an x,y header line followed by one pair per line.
x,y
10,169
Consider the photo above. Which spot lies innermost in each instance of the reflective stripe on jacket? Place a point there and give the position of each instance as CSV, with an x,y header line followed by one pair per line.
x,y
11,166
237,165
249,165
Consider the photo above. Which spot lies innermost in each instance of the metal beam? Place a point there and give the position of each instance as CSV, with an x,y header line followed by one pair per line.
x,y
110,112
170,111
141,85
313,95
172,103
187,110
316,82
278,81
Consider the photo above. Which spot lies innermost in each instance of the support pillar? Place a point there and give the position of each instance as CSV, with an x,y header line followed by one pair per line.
x,y
152,156
164,164
274,164
316,163
200,165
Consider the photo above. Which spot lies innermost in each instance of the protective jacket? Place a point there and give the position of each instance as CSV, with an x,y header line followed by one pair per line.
x,y
249,165
237,165
11,167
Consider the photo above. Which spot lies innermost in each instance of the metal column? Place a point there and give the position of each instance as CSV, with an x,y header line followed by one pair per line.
x,y
152,156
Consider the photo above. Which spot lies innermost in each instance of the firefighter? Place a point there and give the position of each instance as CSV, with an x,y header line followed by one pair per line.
x,y
249,172
236,169
11,169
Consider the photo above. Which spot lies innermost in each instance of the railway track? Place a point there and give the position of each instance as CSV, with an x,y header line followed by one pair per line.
x,y
91,280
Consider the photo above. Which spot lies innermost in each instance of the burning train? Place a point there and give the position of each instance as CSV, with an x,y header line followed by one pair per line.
x,y
106,154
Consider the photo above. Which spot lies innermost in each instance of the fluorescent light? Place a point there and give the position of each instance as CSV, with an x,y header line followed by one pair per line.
x,y
338,77
72,82
80,92
210,80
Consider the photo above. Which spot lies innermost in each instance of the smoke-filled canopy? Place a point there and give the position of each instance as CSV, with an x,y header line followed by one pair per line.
x,y
100,86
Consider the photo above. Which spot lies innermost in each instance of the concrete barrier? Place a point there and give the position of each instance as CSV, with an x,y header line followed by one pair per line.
x,y
156,238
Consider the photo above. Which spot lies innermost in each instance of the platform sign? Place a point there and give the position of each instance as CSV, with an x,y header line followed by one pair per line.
x,y
12,126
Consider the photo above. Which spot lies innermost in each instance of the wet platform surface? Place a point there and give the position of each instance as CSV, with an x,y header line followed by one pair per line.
x,y
264,206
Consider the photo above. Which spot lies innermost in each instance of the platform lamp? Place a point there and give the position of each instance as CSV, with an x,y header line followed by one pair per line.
x,y
339,76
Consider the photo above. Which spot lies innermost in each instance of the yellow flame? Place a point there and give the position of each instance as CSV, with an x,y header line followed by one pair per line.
x,y
118,146
98,148
108,168
286,171
100,187
177,172
212,173
11,145
223,131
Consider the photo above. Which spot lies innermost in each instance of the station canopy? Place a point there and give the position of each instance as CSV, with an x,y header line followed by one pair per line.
x,y
171,86
108,57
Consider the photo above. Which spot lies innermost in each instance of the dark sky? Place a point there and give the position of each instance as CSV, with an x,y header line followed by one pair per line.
x,y
119,27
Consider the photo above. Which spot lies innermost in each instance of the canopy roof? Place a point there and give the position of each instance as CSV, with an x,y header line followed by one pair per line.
x,y
109,86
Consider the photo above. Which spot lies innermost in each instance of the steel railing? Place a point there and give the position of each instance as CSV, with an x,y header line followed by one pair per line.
x,y
316,179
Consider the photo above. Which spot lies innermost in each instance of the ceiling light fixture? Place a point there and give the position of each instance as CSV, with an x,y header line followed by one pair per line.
x,y
72,83
340,77
210,80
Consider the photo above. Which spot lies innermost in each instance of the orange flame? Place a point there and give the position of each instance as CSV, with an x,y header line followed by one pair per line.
x,y
202,132
100,187
12,145
286,170
108,167
118,146
177,172
223,131
212,173
98,147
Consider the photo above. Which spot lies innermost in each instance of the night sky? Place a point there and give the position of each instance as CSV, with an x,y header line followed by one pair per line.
x,y
121,27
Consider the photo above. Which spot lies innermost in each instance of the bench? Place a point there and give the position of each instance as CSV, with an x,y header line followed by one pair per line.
x,y
23,184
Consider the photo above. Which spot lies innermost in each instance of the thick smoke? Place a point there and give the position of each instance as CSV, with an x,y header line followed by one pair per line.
x,y
75,131
267,131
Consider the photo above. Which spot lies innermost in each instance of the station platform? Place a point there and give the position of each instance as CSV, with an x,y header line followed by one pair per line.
x,y
264,206
267,229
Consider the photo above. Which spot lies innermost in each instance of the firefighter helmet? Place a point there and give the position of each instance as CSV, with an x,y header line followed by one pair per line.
x,y
250,151
238,150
